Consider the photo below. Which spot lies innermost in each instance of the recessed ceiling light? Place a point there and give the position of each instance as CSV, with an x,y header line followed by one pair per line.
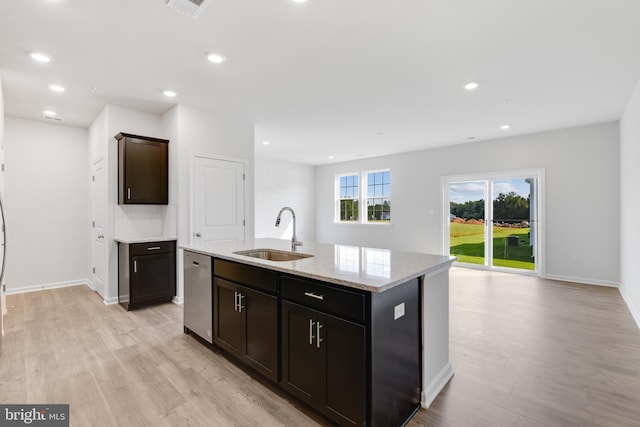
x,y
471,86
169,93
505,127
299,1
56,88
40,57
265,143
50,113
331,157
216,58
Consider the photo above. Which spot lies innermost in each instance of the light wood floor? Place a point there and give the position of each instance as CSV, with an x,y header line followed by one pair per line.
x,y
525,352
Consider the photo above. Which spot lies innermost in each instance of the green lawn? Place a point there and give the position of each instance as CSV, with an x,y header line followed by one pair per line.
x,y
467,243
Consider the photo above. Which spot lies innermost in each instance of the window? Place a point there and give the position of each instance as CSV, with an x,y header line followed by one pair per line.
x,y
378,201
364,197
349,197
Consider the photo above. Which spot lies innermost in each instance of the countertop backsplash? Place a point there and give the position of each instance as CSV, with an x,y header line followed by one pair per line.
x,y
140,221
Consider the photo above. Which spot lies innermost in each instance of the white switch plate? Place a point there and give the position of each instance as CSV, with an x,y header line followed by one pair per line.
x,y
398,311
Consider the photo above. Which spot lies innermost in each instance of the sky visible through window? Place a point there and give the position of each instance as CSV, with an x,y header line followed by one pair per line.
x,y
460,192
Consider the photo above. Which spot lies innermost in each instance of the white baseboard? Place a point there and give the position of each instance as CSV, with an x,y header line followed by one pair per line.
x,y
45,286
635,313
110,301
582,280
432,391
178,300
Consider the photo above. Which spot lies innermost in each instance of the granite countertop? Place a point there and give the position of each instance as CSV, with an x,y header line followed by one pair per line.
x,y
130,240
370,269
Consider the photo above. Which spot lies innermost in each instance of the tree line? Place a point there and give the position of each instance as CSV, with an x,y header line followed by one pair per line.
x,y
506,207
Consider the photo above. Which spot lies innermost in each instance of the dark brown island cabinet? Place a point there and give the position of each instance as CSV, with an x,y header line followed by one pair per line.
x,y
147,273
246,315
352,355
143,169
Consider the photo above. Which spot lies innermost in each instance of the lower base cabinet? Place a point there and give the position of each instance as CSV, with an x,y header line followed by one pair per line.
x,y
147,273
353,356
246,325
324,363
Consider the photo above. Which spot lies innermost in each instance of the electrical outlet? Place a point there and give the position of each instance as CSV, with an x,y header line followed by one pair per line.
x,y
398,311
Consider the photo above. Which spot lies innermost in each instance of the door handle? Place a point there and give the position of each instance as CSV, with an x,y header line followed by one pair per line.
x,y
311,336
198,234
318,339
240,298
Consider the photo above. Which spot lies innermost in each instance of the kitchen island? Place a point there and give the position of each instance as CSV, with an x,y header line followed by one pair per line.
x,y
359,334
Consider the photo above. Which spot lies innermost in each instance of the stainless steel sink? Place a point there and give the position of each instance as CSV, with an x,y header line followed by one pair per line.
x,y
273,254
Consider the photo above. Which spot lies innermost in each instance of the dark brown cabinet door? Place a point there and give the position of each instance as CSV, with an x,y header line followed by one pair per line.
x,y
227,323
323,363
143,174
300,357
260,331
152,277
342,371
246,325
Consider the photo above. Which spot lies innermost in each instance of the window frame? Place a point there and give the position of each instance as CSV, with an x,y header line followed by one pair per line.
x,y
338,198
363,198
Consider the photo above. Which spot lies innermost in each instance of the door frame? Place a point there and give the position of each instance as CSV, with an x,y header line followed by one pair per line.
x,y
95,259
192,161
540,253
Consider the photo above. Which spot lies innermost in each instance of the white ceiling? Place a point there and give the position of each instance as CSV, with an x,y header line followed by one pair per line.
x,y
348,78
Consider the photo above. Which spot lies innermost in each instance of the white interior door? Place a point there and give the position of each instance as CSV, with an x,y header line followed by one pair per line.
x,y
218,200
99,203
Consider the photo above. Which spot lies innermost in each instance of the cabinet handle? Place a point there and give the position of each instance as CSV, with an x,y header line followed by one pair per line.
x,y
312,295
135,266
235,301
196,263
153,248
129,193
240,298
311,336
318,339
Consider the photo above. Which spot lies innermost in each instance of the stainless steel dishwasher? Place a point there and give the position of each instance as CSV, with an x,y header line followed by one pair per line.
x,y
198,302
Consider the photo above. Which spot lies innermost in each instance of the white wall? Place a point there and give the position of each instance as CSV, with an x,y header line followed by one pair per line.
x,y
582,197
279,183
2,299
112,120
630,204
209,134
47,203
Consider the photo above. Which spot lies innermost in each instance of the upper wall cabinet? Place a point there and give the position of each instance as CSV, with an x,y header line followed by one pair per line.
x,y
143,170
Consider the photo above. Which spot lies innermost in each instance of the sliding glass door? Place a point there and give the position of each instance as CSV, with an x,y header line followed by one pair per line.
x,y
467,232
502,234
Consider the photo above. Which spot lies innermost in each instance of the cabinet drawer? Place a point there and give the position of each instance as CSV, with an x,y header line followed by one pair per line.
x,y
339,301
151,248
256,277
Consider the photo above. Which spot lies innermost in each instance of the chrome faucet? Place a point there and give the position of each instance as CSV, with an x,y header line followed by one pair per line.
x,y
294,240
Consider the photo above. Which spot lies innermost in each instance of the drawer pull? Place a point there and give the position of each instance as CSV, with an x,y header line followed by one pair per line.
x,y
153,248
312,295
196,263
